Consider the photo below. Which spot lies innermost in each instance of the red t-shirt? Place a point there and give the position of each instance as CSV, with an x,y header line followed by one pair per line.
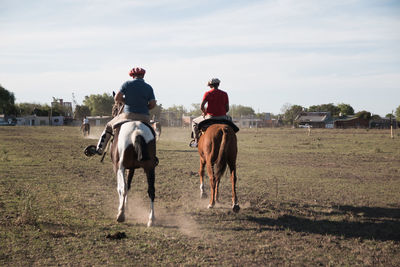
x,y
216,102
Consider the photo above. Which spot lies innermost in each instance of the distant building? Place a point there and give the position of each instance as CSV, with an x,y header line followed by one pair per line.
x,y
66,106
248,122
98,120
383,123
33,120
314,119
352,122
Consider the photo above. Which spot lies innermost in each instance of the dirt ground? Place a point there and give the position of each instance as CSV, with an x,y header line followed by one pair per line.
x,y
330,198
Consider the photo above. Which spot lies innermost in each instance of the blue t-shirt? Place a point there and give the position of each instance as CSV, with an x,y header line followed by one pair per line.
x,y
137,95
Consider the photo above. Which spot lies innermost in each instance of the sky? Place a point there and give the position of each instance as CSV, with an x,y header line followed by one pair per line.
x,y
267,53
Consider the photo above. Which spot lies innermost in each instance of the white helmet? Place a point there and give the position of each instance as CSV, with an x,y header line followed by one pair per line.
x,y
213,81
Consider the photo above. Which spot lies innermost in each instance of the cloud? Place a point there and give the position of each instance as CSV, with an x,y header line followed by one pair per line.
x,y
267,53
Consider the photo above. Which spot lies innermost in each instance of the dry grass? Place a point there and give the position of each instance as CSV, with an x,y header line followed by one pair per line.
x,y
332,198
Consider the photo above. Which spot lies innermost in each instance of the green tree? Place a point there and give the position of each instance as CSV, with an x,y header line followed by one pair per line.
x,y
195,111
176,112
375,117
156,112
99,105
236,111
7,102
334,110
43,111
345,109
81,111
397,113
389,115
290,112
364,115
24,109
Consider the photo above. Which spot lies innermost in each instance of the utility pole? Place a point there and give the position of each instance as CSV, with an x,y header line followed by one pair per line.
x,y
391,126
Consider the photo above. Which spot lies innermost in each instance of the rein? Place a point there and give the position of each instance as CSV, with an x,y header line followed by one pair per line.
x,y
120,110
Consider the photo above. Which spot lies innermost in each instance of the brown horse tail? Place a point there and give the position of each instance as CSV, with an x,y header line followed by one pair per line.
x,y
222,154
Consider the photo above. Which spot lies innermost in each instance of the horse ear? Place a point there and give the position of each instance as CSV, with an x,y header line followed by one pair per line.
x,y
113,94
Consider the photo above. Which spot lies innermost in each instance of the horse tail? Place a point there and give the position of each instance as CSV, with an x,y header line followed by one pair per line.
x,y
222,154
140,146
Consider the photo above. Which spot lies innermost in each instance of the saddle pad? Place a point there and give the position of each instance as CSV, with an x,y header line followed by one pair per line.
x,y
207,123
145,123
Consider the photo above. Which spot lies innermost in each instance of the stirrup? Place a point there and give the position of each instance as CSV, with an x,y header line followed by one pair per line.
x,y
91,151
193,143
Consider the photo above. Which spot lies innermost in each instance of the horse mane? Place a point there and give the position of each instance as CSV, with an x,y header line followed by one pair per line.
x,y
117,109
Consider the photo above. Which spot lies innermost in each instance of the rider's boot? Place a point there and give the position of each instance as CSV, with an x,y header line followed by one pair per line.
x,y
101,145
103,141
193,143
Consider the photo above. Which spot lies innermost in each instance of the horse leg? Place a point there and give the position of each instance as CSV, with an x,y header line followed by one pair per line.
x,y
201,174
210,173
216,197
122,194
151,191
131,172
232,167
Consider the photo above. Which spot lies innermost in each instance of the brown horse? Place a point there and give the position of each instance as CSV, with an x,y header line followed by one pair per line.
x,y
217,148
133,147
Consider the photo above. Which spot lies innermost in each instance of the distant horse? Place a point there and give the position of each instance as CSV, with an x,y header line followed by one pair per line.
x,y
133,147
85,128
217,147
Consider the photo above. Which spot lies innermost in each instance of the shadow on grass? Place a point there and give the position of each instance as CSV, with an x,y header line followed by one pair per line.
x,y
379,229
372,212
178,150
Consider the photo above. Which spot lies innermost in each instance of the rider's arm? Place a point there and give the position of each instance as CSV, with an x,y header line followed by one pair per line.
x,y
119,97
203,109
152,104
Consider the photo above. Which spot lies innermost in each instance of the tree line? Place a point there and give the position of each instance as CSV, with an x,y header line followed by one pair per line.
x,y
101,104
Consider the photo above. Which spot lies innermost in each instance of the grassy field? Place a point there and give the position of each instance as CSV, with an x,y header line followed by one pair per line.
x,y
328,199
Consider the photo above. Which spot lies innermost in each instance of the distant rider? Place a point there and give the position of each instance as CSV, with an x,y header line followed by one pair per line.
x,y
85,123
217,106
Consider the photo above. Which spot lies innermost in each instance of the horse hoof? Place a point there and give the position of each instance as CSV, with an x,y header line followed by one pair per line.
x,y
203,195
236,208
121,217
210,206
150,223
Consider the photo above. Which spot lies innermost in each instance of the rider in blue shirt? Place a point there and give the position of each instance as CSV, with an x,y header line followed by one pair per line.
x,y
138,97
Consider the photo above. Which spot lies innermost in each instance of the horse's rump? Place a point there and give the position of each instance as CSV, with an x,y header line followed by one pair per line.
x,y
203,125
135,143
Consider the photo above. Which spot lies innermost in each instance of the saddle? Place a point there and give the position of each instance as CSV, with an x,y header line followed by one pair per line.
x,y
208,122
142,155
118,125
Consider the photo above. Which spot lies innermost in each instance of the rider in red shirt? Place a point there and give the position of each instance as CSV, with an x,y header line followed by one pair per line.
x,y
217,102
217,106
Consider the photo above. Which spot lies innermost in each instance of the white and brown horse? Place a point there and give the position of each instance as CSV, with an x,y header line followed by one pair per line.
x,y
133,147
217,148
85,128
